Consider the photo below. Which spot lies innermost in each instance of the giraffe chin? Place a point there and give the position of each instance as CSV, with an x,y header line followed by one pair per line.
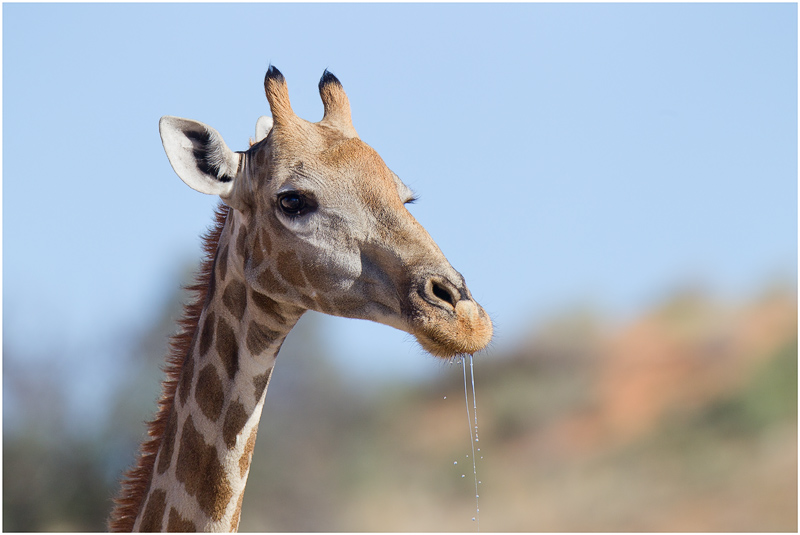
x,y
466,330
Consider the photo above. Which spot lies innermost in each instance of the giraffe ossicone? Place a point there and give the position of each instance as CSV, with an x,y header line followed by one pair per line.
x,y
311,219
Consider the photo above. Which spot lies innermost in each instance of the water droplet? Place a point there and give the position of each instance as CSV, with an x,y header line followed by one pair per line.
x,y
445,397
476,439
455,462
479,482
477,496
462,475
473,519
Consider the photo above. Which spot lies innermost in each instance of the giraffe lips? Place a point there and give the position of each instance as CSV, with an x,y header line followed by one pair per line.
x,y
465,328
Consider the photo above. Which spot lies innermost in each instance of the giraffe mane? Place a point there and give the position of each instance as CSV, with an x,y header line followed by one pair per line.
x,y
136,480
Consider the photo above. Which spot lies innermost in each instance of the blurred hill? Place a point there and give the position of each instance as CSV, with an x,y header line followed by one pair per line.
x,y
682,420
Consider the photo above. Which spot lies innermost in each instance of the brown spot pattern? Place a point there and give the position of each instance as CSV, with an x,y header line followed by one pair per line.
x,y
227,348
176,523
235,298
154,511
317,276
259,337
267,280
267,305
208,393
223,264
260,383
247,456
289,267
235,419
241,242
258,252
187,374
237,513
201,473
168,443
207,334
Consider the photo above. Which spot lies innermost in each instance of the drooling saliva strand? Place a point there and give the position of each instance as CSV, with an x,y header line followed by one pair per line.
x,y
472,423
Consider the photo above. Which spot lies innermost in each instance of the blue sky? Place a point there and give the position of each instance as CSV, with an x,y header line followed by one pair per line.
x,y
564,155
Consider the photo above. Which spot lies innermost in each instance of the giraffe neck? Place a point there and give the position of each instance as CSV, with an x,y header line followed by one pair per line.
x,y
202,464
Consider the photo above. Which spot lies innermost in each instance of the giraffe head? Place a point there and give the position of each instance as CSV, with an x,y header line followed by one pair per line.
x,y
323,223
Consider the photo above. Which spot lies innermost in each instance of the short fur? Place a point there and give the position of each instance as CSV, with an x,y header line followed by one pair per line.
x,y
135,481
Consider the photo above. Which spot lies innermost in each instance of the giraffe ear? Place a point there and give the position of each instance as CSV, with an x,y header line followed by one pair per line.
x,y
199,156
263,126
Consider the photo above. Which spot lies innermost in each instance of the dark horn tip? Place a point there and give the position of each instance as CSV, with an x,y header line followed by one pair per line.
x,y
273,74
328,78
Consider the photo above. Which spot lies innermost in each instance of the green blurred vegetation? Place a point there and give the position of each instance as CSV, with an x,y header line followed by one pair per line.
x,y
684,419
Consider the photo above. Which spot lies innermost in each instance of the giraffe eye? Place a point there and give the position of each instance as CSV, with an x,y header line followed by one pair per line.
x,y
293,203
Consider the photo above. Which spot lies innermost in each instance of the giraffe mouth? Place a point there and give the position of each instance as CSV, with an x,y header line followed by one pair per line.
x,y
466,328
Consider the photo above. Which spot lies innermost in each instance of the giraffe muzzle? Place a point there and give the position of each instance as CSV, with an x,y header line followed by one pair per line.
x,y
448,321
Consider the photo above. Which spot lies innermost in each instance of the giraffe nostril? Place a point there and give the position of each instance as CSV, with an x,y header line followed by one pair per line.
x,y
443,293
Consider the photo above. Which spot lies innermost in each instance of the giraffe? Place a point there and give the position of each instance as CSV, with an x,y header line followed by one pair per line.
x,y
310,218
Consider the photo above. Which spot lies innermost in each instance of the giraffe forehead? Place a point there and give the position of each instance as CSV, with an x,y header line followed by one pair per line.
x,y
357,164
352,152
302,140
346,167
